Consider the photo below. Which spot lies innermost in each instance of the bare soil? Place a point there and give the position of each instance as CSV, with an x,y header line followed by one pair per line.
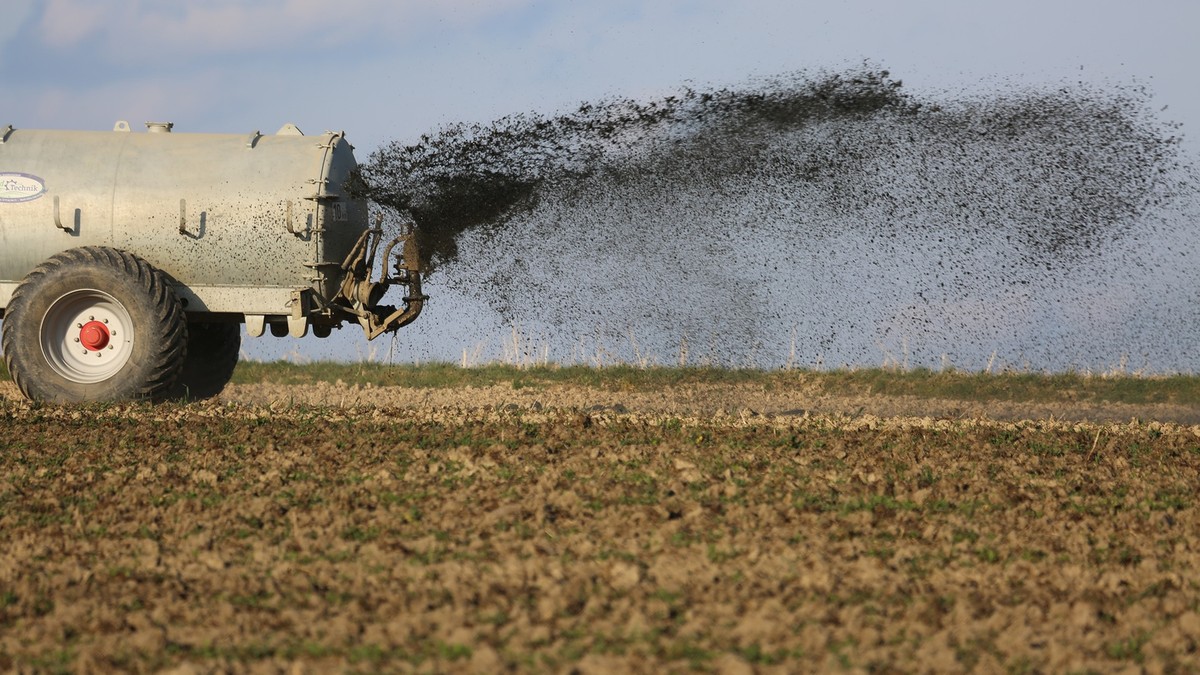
x,y
559,529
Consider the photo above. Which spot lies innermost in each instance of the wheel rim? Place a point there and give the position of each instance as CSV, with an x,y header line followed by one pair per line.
x,y
86,336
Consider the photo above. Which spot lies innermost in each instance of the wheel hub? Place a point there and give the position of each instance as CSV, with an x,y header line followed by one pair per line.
x,y
94,336
87,336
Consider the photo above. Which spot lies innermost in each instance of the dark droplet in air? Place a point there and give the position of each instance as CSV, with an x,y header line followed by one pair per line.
x,y
819,211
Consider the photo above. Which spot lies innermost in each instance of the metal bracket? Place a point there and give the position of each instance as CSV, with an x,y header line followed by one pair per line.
x,y
298,320
297,328
330,138
321,193
58,218
256,325
4,133
302,302
291,227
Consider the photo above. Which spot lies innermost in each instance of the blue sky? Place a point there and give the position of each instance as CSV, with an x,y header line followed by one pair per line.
x,y
383,69
392,69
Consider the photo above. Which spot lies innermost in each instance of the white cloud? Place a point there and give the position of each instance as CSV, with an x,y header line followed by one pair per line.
x,y
136,101
134,30
67,22
15,13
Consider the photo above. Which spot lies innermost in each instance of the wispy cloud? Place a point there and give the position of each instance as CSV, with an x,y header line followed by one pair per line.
x,y
15,14
127,31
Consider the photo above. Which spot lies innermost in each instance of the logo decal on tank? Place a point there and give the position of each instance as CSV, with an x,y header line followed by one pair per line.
x,y
20,187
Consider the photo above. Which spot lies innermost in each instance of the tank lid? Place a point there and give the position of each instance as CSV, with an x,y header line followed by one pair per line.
x,y
159,127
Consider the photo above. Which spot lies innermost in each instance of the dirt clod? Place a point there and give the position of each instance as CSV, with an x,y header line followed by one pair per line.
x,y
236,536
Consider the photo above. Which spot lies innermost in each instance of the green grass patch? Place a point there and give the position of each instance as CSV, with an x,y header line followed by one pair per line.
x,y
1019,387
919,383
448,375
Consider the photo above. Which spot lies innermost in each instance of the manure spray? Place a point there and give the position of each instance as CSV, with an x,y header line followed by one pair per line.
x,y
823,220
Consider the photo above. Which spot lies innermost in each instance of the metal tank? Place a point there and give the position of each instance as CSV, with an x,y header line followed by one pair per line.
x,y
129,259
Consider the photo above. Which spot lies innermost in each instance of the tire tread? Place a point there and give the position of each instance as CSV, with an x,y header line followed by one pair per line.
x,y
164,362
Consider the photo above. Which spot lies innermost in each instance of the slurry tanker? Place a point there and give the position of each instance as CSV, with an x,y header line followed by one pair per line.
x,y
129,260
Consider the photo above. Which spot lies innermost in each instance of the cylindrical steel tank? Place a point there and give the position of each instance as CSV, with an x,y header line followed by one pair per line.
x,y
122,252
229,217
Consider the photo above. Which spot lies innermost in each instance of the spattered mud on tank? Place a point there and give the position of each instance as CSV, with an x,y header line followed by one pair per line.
x,y
819,221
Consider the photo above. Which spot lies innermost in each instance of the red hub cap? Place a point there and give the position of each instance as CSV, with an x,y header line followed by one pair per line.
x,y
94,336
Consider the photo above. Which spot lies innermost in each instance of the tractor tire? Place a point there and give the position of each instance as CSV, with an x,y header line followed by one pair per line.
x,y
94,324
212,354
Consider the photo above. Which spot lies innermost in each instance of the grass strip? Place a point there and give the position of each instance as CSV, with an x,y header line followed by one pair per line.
x,y
919,383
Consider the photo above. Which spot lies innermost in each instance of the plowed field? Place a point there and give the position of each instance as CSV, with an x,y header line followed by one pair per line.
x,y
327,528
